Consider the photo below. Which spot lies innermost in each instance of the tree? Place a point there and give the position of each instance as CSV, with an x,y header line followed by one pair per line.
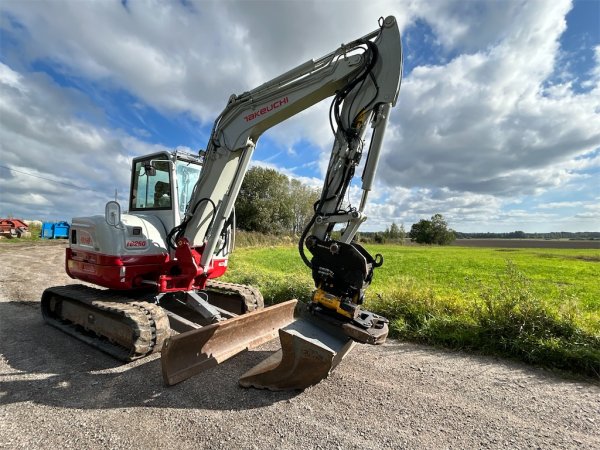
x,y
421,232
302,199
269,202
393,233
434,231
263,204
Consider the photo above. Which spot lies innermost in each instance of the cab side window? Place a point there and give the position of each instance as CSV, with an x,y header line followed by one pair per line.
x,y
151,186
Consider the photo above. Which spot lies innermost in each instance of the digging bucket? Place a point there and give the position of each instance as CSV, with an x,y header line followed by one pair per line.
x,y
308,355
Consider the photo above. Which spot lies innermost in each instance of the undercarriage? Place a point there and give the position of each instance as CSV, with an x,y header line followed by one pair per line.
x,y
134,325
130,325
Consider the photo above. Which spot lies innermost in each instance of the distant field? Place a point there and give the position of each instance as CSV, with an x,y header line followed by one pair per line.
x,y
542,305
554,273
528,243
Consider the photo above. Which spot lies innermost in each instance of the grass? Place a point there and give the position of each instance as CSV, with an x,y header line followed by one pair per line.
x,y
539,305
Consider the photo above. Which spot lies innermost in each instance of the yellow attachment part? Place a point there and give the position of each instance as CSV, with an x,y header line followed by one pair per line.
x,y
330,301
360,119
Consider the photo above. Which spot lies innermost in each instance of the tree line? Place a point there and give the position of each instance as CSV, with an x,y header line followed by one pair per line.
x,y
433,232
583,235
270,202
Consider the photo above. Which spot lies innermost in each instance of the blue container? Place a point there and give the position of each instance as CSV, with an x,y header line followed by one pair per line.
x,y
47,230
61,230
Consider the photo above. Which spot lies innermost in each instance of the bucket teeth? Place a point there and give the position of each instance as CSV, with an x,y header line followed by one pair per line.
x,y
307,356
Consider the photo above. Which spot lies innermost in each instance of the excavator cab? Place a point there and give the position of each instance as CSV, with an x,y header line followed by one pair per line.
x,y
163,182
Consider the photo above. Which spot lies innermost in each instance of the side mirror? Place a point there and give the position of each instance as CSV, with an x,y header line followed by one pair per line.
x,y
112,213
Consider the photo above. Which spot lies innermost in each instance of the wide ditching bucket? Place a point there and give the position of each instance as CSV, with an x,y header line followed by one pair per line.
x,y
308,355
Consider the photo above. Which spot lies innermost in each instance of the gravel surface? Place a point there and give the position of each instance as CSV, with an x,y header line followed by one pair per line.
x,y
57,392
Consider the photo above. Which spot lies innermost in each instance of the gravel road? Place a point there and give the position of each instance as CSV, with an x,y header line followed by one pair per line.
x,y
57,392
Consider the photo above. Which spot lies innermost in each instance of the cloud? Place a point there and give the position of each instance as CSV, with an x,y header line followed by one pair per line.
x,y
312,182
485,122
557,205
475,132
184,56
469,26
55,165
163,53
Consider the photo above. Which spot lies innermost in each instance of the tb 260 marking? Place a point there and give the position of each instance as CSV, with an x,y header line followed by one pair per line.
x,y
136,244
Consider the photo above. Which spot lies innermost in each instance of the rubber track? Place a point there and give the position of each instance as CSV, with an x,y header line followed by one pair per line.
x,y
148,322
250,295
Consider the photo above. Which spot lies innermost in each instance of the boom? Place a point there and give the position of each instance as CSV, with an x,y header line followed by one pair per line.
x,y
364,76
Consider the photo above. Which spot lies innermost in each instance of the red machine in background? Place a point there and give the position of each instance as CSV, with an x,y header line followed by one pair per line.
x,y
14,228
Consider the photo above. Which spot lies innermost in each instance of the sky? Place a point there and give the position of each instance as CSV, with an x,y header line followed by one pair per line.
x,y
497,125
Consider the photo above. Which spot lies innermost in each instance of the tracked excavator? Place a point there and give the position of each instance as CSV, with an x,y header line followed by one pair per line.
x,y
156,266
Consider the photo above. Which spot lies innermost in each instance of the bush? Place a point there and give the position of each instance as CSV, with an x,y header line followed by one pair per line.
x,y
255,239
417,312
507,319
513,321
434,231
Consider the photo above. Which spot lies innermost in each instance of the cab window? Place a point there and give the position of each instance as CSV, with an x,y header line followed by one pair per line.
x,y
187,177
151,186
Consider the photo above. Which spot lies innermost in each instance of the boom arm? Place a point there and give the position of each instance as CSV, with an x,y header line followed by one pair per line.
x,y
364,76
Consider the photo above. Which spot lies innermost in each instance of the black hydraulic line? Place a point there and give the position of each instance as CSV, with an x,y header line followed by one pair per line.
x,y
372,55
180,229
302,238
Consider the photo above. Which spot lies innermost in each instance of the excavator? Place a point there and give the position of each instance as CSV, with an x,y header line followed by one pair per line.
x,y
155,267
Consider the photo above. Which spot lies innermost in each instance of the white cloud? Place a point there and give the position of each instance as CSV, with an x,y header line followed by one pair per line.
x,y
557,205
58,166
485,122
471,135
10,78
187,56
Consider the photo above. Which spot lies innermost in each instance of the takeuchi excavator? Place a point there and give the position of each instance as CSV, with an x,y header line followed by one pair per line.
x,y
156,266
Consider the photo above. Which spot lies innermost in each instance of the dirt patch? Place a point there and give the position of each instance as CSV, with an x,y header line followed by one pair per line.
x,y
588,258
527,243
58,392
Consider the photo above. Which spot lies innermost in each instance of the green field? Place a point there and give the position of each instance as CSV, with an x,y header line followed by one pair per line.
x,y
540,305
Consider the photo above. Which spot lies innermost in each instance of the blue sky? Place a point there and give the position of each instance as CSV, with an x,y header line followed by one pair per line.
x,y
497,125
